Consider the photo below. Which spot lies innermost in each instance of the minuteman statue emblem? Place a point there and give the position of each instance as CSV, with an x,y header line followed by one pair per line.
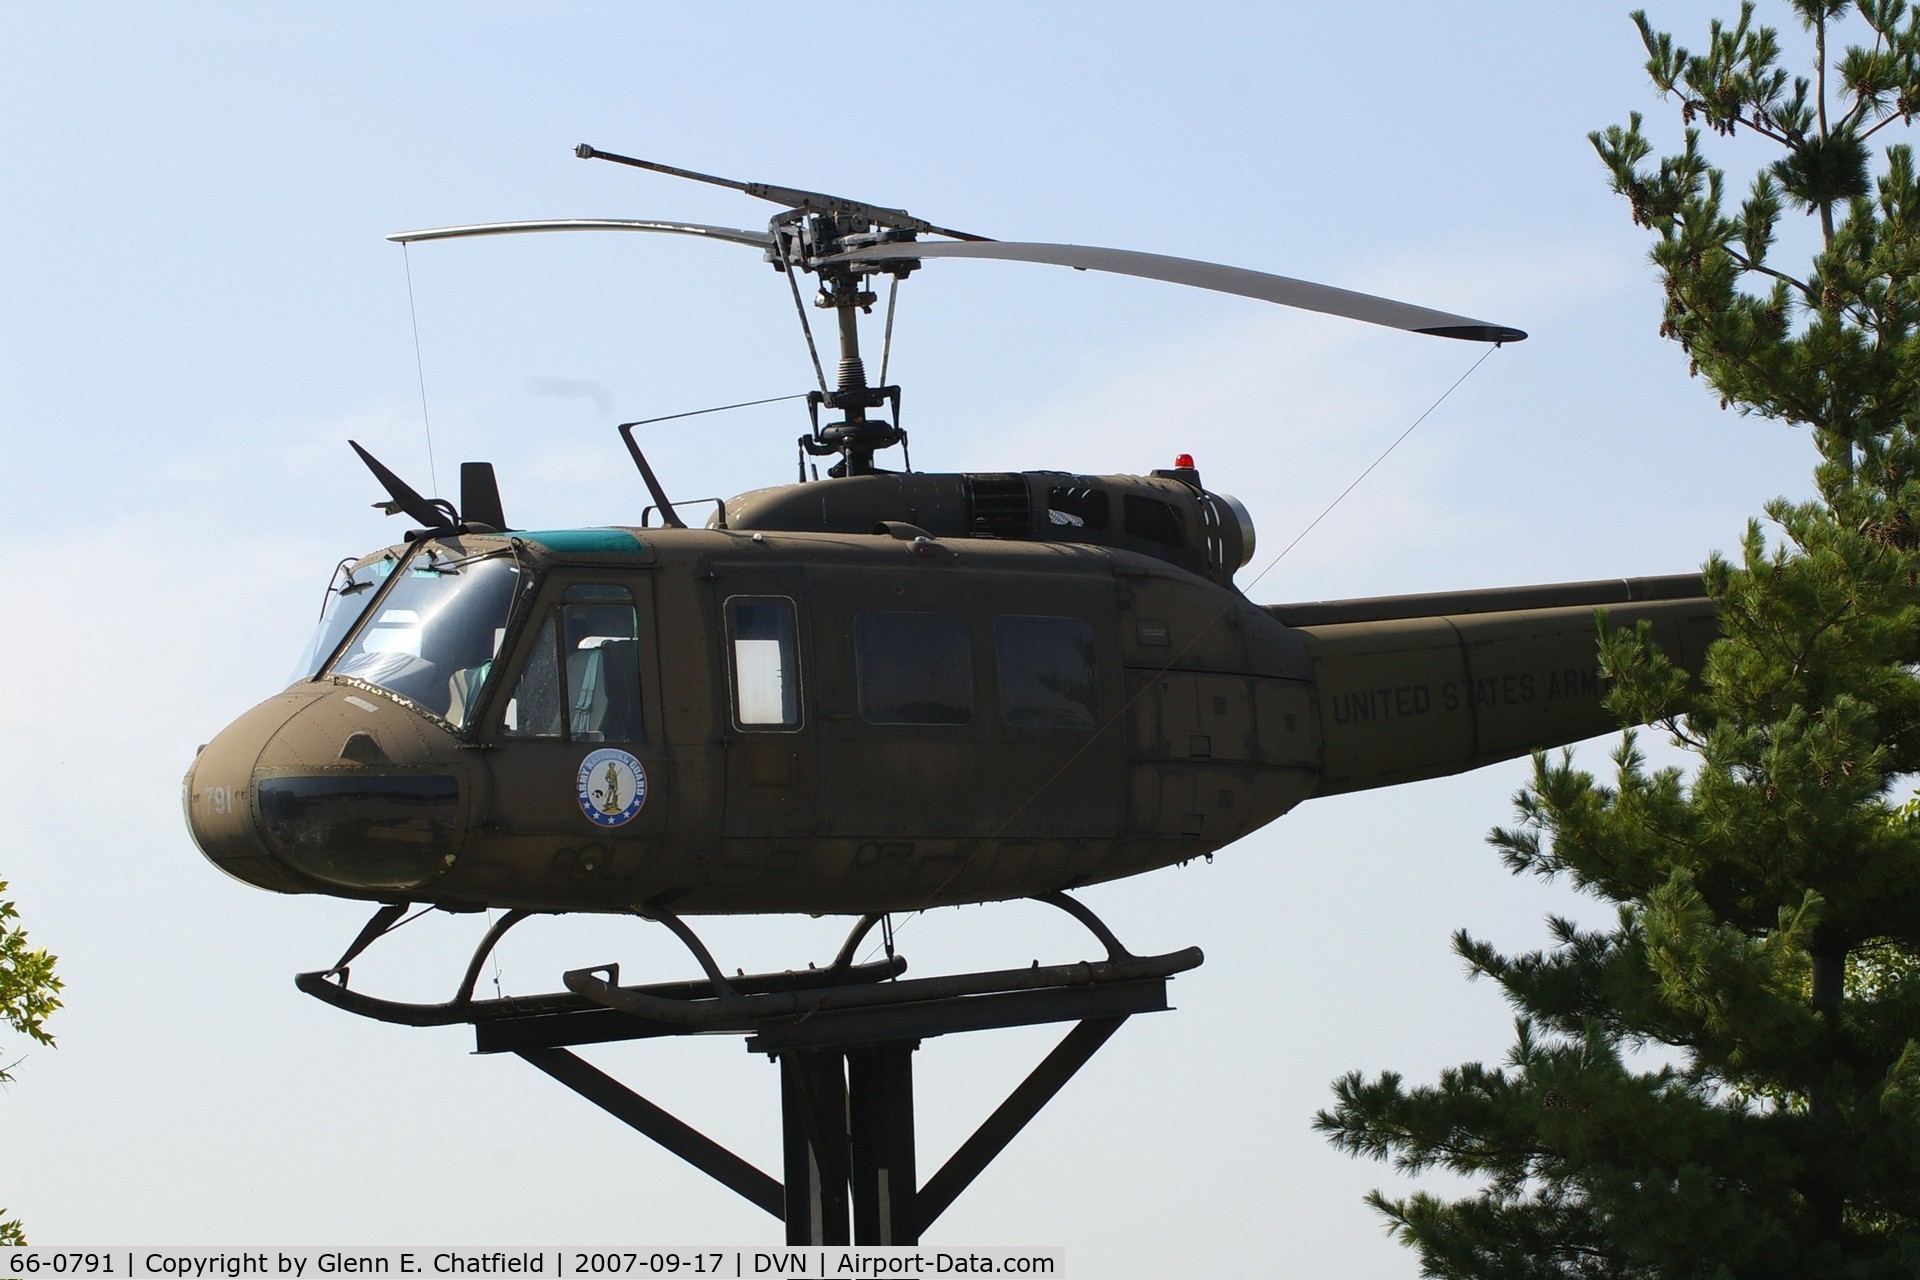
x,y
612,786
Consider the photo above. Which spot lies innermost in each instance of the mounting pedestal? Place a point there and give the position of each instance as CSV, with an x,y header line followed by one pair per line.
x,y
846,1099
844,1039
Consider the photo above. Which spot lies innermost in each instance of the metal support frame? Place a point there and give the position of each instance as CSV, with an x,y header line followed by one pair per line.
x,y
881,1134
677,1136
847,1135
844,1038
1022,1105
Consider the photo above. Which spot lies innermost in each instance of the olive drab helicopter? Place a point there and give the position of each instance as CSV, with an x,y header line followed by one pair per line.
x,y
867,692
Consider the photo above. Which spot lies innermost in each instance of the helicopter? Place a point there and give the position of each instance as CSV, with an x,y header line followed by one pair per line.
x,y
872,691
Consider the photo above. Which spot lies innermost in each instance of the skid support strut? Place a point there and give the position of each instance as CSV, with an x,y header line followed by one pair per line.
x,y
844,1038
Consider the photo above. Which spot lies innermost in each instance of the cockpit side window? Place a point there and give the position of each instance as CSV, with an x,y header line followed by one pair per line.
x,y
581,678
534,709
349,593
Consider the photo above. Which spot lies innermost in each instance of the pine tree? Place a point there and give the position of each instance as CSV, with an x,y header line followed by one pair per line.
x,y
1726,1081
29,993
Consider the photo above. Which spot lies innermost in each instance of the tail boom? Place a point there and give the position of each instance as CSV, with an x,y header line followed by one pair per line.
x,y
1412,687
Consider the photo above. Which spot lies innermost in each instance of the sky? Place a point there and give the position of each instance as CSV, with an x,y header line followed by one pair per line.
x,y
198,309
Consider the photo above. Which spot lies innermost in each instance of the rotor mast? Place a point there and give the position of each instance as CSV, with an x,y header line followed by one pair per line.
x,y
855,437
846,242
812,234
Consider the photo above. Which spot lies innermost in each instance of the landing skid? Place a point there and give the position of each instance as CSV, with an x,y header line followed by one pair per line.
x,y
844,1037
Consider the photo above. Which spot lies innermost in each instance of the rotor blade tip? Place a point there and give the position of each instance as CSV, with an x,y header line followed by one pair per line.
x,y
1498,334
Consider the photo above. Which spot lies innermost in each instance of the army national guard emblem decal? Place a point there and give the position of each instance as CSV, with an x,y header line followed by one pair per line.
x,y
613,786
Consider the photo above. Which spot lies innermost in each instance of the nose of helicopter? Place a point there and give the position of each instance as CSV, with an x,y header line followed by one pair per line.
x,y
330,789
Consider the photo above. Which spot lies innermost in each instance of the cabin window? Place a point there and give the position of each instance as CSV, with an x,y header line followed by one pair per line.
x,y
581,679
765,652
913,668
1048,678
433,635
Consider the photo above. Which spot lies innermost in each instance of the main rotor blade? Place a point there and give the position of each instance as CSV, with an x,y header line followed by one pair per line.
x,y
757,239
1284,290
792,197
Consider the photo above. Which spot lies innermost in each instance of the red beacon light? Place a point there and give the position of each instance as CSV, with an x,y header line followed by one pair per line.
x,y
1184,462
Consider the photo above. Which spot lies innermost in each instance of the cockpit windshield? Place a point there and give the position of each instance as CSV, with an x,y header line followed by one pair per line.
x,y
435,633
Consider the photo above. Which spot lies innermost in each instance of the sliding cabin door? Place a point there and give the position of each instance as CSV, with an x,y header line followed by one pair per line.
x,y
768,731
962,705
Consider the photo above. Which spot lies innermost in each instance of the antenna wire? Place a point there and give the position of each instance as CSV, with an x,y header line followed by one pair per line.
x,y
1371,465
420,368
